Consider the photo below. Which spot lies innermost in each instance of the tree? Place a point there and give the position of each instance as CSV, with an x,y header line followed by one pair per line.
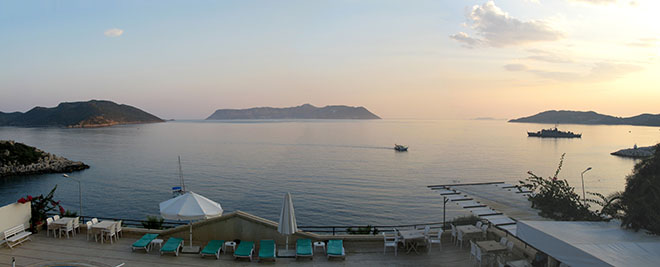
x,y
641,198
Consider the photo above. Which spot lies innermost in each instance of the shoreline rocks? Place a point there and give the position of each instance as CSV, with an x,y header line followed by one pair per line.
x,y
18,159
636,152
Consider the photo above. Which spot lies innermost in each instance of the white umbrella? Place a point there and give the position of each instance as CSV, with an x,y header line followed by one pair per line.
x,y
287,225
189,207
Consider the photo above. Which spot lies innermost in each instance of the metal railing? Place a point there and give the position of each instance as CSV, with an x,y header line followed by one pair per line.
x,y
127,222
344,229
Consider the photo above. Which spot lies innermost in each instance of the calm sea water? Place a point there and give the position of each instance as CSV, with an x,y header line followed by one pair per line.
x,y
339,172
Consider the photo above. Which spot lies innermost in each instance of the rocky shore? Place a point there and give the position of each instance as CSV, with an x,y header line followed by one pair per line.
x,y
20,159
636,152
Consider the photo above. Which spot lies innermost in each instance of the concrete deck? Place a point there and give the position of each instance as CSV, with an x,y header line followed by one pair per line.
x,y
49,251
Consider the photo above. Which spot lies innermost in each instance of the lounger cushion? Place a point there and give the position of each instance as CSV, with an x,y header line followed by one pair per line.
x,y
304,247
145,240
213,247
171,245
267,249
244,249
335,247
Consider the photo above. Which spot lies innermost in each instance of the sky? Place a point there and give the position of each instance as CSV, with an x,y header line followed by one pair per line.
x,y
452,59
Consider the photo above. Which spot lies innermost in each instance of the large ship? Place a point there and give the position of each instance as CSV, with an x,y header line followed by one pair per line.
x,y
554,133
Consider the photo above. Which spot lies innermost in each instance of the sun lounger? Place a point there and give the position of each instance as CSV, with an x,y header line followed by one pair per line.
x,y
244,250
212,248
144,242
267,249
172,246
336,249
304,248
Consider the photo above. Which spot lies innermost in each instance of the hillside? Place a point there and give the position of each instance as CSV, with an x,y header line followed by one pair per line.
x,y
20,159
93,113
589,117
305,111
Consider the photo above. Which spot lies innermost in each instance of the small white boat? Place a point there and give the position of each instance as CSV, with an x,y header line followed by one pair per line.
x,y
400,147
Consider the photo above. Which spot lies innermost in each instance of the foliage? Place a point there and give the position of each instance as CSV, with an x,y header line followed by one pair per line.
x,y
69,213
366,230
641,198
21,153
556,199
465,220
41,205
153,222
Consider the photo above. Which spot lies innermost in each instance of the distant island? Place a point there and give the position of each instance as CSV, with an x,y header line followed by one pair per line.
x,y
93,113
305,111
589,117
20,159
635,152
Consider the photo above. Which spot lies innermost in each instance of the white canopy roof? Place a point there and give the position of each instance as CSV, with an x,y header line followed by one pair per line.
x,y
591,243
189,206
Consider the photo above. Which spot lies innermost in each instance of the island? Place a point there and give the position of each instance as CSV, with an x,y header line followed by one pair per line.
x,y
589,117
21,159
93,113
305,111
635,152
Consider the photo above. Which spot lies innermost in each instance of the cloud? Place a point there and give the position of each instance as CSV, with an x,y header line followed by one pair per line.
x,y
547,56
645,42
496,28
599,72
515,67
114,32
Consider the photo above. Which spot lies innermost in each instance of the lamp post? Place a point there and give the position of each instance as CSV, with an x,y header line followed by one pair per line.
x,y
584,196
79,191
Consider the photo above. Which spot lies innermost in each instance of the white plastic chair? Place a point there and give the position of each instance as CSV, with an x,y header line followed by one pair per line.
x,y
119,228
459,238
67,228
76,225
484,229
453,234
390,241
49,226
473,250
89,230
95,221
509,247
110,233
56,217
503,241
434,239
477,254
479,223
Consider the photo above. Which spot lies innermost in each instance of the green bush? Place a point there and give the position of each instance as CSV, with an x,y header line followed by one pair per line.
x,y
366,230
641,198
465,220
153,222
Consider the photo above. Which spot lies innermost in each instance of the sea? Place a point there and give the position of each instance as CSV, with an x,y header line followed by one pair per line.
x,y
339,172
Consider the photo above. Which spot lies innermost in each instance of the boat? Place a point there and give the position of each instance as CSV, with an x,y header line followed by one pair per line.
x,y
554,133
400,147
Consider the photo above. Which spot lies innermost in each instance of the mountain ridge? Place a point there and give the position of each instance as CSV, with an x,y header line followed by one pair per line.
x,y
82,114
590,118
306,111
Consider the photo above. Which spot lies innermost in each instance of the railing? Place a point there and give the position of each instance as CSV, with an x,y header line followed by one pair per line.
x,y
343,229
127,222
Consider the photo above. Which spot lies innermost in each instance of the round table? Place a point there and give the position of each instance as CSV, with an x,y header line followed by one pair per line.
x,y
158,242
231,244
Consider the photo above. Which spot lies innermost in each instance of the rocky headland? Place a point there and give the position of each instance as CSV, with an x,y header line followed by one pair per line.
x,y
589,118
20,159
635,152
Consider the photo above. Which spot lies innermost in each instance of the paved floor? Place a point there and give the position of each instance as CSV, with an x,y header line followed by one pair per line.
x,y
49,251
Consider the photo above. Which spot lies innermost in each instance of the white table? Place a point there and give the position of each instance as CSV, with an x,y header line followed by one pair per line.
x,y
410,238
231,244
158,242
102,225
319,244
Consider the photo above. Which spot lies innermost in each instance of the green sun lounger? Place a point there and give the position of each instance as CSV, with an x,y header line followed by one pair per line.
x,y
144,242
267,249
336,249
213,248
244,250
304,248
172,246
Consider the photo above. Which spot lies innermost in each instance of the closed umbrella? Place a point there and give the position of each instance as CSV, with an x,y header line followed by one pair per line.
x,y
189,207
287,225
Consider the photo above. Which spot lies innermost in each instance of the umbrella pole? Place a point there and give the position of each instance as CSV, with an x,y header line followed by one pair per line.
x,y
190,234
287,242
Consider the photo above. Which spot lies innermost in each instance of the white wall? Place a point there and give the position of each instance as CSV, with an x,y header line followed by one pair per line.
x,y
14,214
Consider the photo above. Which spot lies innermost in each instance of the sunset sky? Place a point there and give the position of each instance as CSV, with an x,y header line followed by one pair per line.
x,y
448,59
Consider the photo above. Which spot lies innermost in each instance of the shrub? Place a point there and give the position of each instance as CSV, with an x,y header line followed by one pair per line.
x,y
366,230
153,222
465,220
641,198
40,206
